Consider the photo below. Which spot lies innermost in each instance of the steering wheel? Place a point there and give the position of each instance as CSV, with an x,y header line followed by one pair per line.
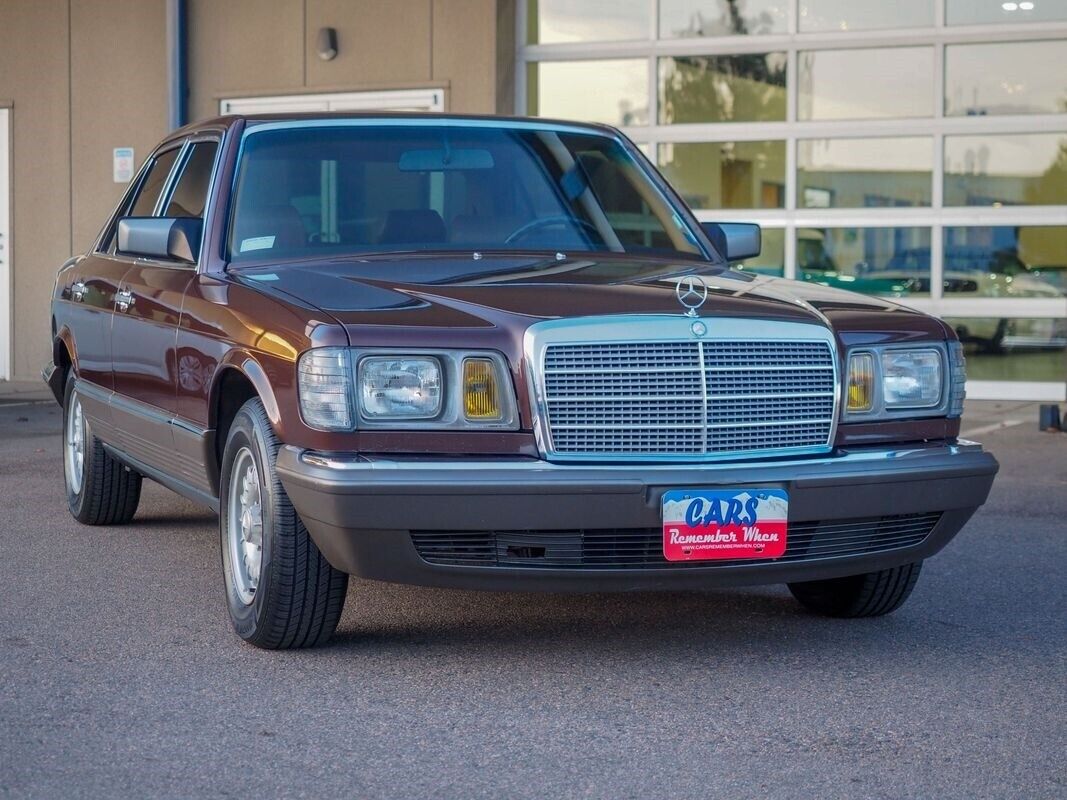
x,y
546,222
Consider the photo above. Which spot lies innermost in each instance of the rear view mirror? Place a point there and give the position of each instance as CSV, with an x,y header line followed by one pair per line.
x,y
175,238
735,241
444,159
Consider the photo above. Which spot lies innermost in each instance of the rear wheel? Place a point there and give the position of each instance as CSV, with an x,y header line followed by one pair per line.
x,y
871,594
100,489
281,592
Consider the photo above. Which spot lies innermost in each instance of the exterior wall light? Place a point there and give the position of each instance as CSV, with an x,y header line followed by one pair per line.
x,y
327,44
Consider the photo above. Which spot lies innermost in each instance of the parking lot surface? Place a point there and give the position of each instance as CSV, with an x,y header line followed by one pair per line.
x,y
120,675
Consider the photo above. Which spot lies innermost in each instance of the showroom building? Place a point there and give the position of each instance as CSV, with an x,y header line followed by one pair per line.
x,y
916,149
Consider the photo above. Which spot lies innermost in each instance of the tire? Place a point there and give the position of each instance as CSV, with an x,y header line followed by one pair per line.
x,y
871,594
100,489
281,592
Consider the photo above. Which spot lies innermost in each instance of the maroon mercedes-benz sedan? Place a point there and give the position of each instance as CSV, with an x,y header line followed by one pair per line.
x,y
492,353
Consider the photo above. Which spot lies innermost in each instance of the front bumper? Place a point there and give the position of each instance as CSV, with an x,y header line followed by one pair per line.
x,y
361,510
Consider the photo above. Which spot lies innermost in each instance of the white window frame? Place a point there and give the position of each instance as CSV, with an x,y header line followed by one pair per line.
x,y
430,100
935,217
7,252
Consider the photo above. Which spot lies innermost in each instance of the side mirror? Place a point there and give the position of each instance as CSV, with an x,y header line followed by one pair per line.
x,y
736,241
176,238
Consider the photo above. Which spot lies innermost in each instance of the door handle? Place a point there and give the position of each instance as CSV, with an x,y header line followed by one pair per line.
x,y
123,300
77,291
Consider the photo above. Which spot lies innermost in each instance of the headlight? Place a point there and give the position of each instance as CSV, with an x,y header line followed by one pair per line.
x,y
346,389
324,379
400,388
894,382
911,378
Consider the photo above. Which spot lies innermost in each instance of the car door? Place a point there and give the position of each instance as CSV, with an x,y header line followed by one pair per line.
x,y
92,283
147,310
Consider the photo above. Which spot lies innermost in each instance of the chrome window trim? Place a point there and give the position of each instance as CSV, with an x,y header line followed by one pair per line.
x,y
179,169
172,177
643,328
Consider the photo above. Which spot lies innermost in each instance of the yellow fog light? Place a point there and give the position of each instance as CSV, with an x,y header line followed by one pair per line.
x,y
861,382
481,397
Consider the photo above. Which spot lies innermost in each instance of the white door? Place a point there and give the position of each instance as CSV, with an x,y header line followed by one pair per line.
x,y
5,244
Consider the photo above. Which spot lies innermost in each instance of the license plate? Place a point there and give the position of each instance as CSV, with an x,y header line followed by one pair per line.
x,y
711,524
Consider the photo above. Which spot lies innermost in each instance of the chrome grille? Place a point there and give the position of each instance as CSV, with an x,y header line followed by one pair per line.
x,y
690,398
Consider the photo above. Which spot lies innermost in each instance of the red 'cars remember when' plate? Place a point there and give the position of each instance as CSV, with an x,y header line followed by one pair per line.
x,y
710,524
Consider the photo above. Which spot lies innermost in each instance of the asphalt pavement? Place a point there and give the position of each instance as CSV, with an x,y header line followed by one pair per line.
x,y
120,675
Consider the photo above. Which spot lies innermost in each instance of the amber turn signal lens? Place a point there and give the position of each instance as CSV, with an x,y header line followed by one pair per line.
x,y
481,398
861,382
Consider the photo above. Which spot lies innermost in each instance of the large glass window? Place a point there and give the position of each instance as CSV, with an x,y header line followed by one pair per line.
x,y
852,129
976,12
865,84
864,173
695,18
1006,261
615,91
741,88
1009,169
857,15
726,174
891,262
1006,78
557,21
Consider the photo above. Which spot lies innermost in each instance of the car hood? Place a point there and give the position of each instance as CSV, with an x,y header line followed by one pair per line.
x,y
405,294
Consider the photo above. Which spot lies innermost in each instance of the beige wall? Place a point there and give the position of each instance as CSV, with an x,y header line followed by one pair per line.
x,y
118,99
86,76
82,76
34,72
261,47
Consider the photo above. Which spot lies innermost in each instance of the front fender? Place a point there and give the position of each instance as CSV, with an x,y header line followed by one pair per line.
x,y
249,367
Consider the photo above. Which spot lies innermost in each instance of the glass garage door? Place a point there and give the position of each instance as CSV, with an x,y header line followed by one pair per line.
x,y
915,150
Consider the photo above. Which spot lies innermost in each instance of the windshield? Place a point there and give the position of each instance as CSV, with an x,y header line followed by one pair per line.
x,y
325,191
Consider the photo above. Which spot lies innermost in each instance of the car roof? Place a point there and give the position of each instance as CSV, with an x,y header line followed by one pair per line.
x,y
318,117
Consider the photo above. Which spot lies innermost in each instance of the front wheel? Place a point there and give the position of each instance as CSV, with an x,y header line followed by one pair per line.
x,y
871,594
281,592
